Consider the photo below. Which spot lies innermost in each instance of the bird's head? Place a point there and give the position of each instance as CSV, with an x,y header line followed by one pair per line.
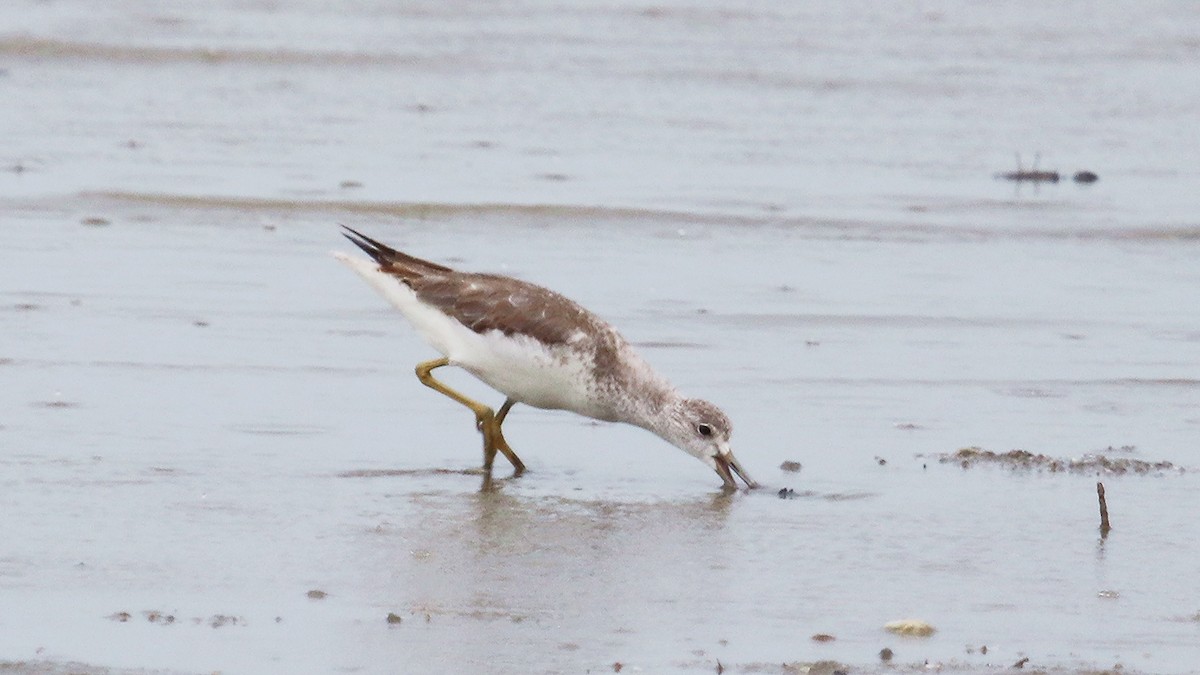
x,y
700,429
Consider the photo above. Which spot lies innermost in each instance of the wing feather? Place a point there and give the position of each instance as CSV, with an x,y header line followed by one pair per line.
x,y
485,302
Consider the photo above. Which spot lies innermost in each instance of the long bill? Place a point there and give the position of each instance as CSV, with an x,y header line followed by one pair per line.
x,y
727,466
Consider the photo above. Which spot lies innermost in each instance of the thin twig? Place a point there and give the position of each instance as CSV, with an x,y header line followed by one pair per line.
x,y
1104,525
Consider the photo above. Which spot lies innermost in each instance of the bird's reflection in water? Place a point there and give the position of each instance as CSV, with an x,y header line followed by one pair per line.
x,y
505,520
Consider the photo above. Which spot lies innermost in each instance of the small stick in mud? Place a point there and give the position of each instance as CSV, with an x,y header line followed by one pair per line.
x,y
1104,525
1032,174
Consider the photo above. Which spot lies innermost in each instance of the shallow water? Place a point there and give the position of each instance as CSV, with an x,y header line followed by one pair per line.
x,y
793,214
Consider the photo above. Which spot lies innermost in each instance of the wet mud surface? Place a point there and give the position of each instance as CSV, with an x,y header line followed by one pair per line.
x,y
214,456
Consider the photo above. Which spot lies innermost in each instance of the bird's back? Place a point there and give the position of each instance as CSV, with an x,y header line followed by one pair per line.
x,y
527,341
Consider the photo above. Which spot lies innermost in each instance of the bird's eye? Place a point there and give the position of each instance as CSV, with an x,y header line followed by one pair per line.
x,y
703,429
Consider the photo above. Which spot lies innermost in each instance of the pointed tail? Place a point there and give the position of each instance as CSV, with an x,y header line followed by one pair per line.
x,y
387,256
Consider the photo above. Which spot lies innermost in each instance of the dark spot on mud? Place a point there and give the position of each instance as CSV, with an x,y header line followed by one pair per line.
x,y
26,306
394,618
1085,177
317,595
982,650
159,617
95,221
350,184
165,619
617,666
885,654
880,461
219,620
1091,464
555,177
823,637
791,467
1031,176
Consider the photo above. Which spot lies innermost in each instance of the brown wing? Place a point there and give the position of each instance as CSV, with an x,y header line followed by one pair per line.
x,y
486,302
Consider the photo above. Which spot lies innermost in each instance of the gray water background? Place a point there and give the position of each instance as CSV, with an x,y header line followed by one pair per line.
x,y
791,209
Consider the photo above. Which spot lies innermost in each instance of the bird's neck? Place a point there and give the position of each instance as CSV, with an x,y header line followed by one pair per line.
x,y
651,409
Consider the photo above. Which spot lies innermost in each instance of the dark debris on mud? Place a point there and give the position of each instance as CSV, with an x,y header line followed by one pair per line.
x,y
1090,464
167,619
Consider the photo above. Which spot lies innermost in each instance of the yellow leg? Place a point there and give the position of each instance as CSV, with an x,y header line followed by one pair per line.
x,y
501,444
485,419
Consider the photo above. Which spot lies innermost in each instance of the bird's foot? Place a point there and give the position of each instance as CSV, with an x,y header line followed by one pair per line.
x,y
502,446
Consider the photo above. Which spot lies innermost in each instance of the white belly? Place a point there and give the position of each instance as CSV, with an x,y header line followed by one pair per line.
x,y
527,371
519,367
